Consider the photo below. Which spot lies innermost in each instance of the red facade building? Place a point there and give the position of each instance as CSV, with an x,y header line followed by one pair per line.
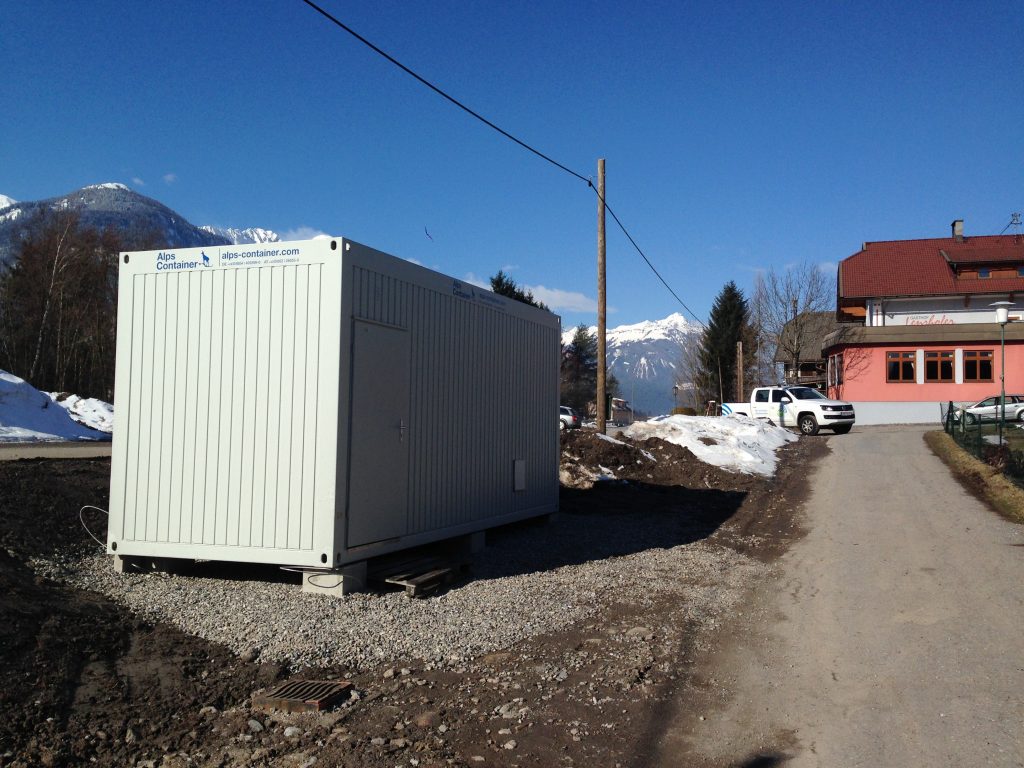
x,y
918,328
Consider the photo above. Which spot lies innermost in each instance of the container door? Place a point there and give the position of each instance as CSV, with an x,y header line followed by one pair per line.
x,y
379,453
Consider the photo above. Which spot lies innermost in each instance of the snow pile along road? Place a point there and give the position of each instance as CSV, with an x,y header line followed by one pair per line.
x,y
87,411
739,444
29,416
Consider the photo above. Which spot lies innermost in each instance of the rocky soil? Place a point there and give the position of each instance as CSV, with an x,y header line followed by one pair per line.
x,y
563,645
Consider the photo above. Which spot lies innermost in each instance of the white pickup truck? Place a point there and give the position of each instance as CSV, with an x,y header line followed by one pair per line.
x,y
802,407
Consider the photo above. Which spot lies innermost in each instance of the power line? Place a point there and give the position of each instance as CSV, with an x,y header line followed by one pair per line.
x,y
649,264
440,92
334,20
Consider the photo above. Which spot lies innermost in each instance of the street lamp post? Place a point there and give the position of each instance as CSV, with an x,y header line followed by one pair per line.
x,y
675,397
1002,316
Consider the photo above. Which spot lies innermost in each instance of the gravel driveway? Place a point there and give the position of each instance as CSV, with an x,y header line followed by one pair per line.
x,y
890,635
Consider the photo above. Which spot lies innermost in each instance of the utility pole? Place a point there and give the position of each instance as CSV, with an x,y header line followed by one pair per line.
x,y
601,423
794,343
739,372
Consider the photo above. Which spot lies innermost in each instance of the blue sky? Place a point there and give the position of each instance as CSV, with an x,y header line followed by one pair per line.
x,y
737,137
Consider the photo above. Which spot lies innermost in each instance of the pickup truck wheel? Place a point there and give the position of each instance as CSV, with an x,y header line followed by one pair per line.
x,y
971,418
841,429
808,424
1020,415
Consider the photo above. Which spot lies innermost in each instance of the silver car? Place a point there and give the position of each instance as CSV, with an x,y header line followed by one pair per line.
x,y
568,418
988,410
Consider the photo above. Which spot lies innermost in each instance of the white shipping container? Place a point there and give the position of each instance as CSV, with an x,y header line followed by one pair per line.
x,y
317,403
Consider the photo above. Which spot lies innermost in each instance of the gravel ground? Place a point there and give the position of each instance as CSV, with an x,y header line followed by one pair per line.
x,y
565,645
516,592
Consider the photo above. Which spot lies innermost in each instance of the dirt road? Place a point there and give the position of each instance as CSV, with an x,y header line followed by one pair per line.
x,y
16,451
892,634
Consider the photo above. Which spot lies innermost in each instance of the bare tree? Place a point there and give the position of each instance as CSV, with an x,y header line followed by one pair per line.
x,y
789,298
688,372
852,363
54,288
58,305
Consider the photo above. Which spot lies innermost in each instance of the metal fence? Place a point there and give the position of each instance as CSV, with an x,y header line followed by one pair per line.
x,y
981,438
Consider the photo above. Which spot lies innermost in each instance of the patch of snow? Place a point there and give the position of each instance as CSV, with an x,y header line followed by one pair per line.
x,y
87,411
739,444
243,236
6,202
29,416
670,328
11,215
107,185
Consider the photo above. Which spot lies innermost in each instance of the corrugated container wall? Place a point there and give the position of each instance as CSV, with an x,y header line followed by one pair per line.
x,y
318,403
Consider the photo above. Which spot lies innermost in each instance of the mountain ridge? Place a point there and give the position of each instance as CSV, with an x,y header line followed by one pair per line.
x,y
243,236
110,204
134,215
645,358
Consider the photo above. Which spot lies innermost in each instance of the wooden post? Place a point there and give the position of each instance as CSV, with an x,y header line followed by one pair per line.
x,y
794,342
739,372
601,423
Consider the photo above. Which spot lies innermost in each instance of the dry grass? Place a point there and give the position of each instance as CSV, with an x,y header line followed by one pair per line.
x,y
983,481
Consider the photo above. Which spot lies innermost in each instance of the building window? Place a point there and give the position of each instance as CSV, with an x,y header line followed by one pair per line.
x,y
835,372
984,272
977,365
1020,271
899,366
938,366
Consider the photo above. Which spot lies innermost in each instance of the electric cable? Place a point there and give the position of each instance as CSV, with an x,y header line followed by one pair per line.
x,y
649,264
313,573
438,91
341,25
81,519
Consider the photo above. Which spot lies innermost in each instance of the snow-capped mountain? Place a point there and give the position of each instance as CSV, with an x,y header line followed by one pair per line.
x,y
645,357
243,236
137,218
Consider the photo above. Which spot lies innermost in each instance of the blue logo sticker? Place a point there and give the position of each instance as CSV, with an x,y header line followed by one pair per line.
x,y
463,291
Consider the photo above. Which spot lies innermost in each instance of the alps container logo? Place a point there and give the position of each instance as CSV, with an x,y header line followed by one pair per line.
x,y
166,260
463,291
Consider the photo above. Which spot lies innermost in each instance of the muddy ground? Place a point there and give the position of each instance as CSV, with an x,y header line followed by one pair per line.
x,y
83,681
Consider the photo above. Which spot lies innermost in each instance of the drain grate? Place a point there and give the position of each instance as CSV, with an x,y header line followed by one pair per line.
x,y
302,695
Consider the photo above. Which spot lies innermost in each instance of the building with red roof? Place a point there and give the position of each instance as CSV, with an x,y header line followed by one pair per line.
x,y
918,328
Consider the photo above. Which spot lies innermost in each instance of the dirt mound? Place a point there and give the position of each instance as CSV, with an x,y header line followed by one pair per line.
x,y
80,673
587,458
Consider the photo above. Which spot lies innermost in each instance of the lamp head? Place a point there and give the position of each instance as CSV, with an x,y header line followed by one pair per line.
x,y
1002,311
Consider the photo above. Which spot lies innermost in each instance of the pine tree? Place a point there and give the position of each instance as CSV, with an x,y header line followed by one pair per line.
x,y
728,324
503,285
579,369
